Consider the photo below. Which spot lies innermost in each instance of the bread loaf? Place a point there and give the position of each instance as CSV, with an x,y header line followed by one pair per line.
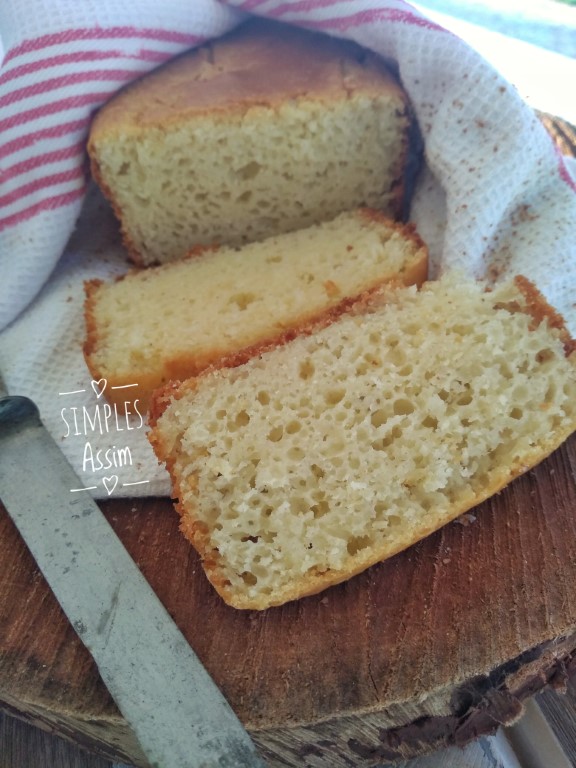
x,y
170,322
318,458
266,130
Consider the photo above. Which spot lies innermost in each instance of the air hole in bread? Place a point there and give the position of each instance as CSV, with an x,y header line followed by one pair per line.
x,y
394,458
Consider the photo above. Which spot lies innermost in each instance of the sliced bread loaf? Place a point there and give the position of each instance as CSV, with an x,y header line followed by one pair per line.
x,y
318,458
170,322
266,130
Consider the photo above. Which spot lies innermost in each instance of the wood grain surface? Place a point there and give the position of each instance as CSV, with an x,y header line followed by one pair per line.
x,y
455,630
429,648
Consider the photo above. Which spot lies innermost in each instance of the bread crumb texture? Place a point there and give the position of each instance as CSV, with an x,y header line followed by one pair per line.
x,y
172,321
267,130
315,460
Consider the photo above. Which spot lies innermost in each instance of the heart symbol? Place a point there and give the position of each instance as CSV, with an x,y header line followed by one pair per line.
x,y
110,483
99,386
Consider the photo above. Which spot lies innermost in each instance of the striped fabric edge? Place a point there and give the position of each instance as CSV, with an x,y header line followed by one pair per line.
x,y
22,142
40,87
50,203
44,121
79,57
565,174
344,17
100,34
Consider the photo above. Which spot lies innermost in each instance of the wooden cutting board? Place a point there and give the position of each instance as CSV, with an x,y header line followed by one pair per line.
x,y
432,647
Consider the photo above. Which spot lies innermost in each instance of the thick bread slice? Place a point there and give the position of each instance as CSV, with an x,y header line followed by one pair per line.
x,y
266,130
315,460
170,322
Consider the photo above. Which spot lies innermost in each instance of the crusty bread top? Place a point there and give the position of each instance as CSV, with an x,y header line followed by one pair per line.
x,y
262,63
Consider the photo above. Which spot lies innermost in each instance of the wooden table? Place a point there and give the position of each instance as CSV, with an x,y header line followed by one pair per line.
x,y
455,633
430,648
24,746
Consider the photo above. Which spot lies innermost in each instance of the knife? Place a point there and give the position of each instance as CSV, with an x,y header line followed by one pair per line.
x,y
178,715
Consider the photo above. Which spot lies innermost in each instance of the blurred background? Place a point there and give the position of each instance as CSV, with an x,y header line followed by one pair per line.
x,y
531,42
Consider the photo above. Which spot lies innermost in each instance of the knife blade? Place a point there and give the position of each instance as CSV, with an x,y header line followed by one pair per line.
x,y
178,715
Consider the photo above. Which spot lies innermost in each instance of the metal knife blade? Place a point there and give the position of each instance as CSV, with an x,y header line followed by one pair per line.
x,y
178,714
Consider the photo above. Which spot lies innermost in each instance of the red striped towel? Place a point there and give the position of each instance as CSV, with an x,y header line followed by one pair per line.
x,y
62,61
495,197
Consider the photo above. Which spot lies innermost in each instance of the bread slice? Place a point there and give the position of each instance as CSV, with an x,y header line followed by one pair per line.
x,y
170,322
311,462
266,130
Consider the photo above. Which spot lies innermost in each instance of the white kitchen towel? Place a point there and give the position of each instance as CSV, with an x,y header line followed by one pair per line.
x,y
495,198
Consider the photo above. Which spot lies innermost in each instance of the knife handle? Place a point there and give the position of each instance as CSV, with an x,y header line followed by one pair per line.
x,y
16,410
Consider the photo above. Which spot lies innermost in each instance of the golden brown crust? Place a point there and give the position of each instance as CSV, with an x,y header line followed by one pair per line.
x,y
91,342
90,288
117,391
133,253
315,582
540,310
91,334
261,63
160,401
